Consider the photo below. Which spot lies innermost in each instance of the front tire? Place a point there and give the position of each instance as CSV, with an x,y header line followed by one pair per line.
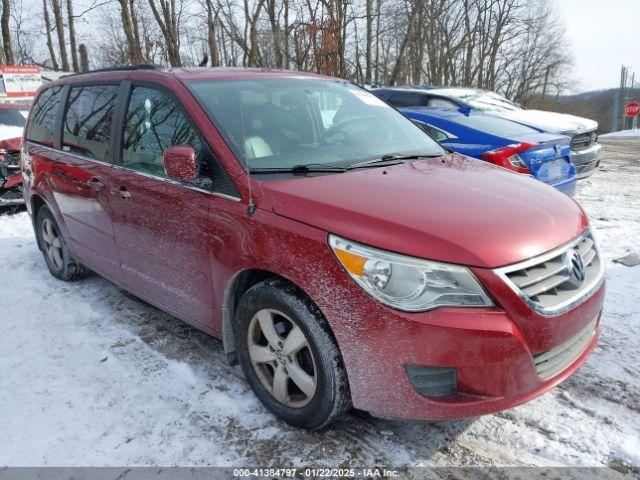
x,y
55,250
289,357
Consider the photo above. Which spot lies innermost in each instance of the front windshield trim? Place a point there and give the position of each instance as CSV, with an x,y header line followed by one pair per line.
x,y
268,94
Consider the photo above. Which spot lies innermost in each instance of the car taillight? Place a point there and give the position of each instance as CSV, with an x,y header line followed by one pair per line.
x,y
509,157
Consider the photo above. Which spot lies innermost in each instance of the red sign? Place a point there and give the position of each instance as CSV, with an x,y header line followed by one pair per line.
x,y
632,109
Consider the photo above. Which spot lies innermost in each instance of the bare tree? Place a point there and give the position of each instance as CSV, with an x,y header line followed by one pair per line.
x,y
72,36
131,31
59,25
6,34
166,15
48,29
84,57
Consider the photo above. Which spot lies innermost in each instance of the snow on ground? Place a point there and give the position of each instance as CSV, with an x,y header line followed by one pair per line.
x,y
634,132
91,376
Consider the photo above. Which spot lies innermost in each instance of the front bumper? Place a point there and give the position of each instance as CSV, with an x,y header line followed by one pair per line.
x,y
586,161
493,352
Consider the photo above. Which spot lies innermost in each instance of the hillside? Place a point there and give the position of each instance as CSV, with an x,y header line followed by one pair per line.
x,y
597,105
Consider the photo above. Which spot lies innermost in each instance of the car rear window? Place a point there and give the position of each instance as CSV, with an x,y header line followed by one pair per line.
x,y
499,127
43,117
88,120
406,99
11,118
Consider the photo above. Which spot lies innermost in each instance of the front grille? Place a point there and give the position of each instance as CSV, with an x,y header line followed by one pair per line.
x,y
553,361
553,283
581,141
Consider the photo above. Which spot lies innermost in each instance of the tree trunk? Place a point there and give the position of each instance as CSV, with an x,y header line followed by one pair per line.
x,y
166,19
275,32
211,31
6,34
129,26
369,13
47,26
57,14
84,58
72,36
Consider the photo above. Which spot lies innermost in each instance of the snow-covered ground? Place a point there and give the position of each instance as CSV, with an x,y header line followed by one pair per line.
x,y
91,376
634,132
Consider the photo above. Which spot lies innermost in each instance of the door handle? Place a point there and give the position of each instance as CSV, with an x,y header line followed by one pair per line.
x,y
123,192
95,183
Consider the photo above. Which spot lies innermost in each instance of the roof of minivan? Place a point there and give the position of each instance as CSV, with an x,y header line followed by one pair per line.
x,y
196,73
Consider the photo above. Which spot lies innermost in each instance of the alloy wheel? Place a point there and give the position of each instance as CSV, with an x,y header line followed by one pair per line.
x,y
282,358
52,244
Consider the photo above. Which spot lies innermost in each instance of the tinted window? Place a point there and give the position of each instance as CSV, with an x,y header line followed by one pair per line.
x,y
282,122
433,132
442,104
154,122
11,118
43,117
406,99
499,127
88,120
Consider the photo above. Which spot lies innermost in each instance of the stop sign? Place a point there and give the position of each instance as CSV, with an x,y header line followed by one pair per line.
x,y
632,109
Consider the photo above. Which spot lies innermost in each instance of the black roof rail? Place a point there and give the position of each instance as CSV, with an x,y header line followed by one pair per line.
x,y
142,66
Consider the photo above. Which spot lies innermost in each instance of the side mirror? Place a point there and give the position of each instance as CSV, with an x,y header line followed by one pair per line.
x,y
180,162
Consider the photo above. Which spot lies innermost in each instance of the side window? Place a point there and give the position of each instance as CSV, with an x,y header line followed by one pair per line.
x,y
42,120
154,122
442,103
406,99
88,119
435,133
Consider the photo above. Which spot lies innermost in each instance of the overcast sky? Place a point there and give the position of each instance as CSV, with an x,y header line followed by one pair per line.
x,y
604,35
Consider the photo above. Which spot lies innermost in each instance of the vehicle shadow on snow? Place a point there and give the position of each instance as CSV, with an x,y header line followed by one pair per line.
x,y
359,438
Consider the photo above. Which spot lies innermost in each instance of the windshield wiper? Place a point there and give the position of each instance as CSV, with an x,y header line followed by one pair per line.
x,y
392,158
302,168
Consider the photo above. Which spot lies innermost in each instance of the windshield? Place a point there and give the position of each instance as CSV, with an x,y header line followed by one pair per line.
x,y
11,117
286,122
480,99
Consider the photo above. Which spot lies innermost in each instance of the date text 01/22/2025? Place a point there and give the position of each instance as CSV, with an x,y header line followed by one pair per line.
x,y
316,472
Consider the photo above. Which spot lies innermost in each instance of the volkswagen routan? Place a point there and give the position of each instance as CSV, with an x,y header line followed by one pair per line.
x,y
342,256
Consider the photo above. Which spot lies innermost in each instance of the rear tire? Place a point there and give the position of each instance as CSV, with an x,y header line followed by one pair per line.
x,y
55,250
295,368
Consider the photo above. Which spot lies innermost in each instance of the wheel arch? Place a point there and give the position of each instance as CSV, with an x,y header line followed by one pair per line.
x,y
235,288
36,203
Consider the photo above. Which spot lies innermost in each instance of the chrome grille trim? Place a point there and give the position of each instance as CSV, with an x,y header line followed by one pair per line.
x,y
584,140
555,360
544,284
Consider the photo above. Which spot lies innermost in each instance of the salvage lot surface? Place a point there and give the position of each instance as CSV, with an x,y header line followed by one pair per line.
x,y
91,376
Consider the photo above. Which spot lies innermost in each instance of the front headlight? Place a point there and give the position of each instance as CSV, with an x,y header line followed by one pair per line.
x,y
407,283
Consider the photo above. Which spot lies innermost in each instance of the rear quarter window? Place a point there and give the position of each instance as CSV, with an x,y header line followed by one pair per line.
x,y
42,119
406,99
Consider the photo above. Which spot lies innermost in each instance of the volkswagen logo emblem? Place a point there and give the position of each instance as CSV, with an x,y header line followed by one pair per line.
x,y
574,266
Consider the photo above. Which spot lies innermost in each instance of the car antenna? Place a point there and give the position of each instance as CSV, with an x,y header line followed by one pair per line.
x,y
251,207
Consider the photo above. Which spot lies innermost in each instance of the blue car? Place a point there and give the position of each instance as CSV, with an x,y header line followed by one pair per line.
x,y
523,149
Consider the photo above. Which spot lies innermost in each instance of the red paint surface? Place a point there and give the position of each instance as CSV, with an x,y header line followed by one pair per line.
x,y
180,248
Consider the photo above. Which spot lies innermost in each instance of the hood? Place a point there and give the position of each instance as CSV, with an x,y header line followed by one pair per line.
x,y
452,209
550,121
10,143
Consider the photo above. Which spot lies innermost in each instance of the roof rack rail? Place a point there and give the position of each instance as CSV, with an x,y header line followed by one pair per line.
x,y
142,66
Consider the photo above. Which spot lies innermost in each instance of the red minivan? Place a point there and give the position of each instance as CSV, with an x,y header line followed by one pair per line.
x,y
342,256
